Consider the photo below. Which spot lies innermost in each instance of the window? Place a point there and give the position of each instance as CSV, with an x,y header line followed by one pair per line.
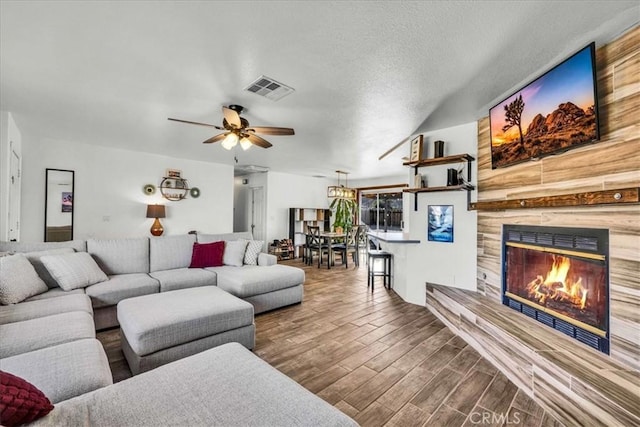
x,y
381,211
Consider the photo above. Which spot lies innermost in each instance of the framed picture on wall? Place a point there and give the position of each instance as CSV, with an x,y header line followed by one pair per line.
x,y
440,223
67,201
416,149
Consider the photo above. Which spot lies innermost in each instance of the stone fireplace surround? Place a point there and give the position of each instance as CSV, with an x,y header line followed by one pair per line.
x,y
576,384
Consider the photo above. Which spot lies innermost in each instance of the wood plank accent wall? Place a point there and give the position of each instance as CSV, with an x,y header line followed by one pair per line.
x,y
611,163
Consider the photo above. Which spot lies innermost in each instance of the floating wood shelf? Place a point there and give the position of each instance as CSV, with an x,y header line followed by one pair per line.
x,y
590,198
441,160
466,187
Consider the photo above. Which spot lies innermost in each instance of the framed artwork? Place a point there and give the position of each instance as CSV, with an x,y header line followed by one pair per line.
x,y
67,201
440,223
416,149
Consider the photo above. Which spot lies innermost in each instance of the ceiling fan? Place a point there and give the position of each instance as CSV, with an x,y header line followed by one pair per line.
x,y
237,129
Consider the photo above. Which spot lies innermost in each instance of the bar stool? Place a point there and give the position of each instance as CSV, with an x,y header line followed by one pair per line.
x,y
386,257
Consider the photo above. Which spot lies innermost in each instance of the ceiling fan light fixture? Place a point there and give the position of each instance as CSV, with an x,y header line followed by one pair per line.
x,y
230,141
245,143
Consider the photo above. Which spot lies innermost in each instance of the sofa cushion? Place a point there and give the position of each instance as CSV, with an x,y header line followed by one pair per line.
x,y
55,293
207,255
74,270
34,334
63,371
227,237
34,259
18,280
121,256
167,253
34,309
254,247
76,245
234,252
252,280
20,401
223,386
120,287
181,278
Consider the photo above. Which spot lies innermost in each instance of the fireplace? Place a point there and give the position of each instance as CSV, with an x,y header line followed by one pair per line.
x,y
560,277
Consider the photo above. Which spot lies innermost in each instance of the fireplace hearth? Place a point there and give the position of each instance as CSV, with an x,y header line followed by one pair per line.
x,y
559,276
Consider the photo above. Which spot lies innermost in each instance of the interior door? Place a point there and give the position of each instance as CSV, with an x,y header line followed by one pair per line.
x,y
257,213
14,196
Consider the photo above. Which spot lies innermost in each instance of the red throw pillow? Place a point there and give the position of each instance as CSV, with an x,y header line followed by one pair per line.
x,y
207,255
20,401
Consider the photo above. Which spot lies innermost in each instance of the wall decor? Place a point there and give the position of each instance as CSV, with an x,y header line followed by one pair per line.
x,y
440,223
416,149
58,203
149,189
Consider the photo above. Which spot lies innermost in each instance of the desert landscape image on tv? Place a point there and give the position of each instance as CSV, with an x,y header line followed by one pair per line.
x,y
554,113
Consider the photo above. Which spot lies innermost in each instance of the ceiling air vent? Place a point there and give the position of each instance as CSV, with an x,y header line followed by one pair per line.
x,y
269,88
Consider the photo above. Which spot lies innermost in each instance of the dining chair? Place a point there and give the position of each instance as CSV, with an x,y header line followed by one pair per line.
x,y
350,247
314,244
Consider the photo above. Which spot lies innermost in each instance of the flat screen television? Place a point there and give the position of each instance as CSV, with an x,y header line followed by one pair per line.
x,y
556,112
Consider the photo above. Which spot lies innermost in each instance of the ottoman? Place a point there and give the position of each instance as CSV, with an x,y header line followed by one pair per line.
x,y
160,328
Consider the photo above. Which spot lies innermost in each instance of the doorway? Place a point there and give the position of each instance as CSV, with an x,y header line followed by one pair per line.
x,y
15,179
257,213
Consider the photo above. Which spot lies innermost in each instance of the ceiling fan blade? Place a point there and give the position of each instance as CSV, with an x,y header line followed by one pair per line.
x,y
392,149
195,123
232,117
215,138
256,140
271,130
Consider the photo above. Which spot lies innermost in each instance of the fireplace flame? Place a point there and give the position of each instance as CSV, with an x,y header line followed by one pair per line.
x,y
558,285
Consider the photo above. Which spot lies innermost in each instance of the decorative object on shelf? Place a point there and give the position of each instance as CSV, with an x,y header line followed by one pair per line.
x,y
149,189
174,173
237,129
417,181
416,149
452,177
156,211
438,149
341,191
440,223
195,192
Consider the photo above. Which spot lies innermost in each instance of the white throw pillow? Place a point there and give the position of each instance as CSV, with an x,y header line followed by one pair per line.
x,y
18,280
34,259
254,247
234,252
73,271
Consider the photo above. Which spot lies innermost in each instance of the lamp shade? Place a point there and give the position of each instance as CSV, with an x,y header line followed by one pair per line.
x,y
155,211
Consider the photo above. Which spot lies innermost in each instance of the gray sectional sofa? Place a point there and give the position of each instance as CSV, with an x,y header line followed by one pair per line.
x,y
50,340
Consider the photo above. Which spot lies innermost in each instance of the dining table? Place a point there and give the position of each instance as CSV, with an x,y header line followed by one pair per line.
x,y
330,238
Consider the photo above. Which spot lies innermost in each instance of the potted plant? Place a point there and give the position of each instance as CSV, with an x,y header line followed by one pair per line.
x,y
344,211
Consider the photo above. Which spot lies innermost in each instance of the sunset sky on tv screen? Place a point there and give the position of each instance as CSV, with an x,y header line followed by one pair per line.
x,y
571,81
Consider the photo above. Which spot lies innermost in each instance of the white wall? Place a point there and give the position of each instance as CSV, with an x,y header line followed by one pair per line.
x,y
374,182
450,264
109,201
291,191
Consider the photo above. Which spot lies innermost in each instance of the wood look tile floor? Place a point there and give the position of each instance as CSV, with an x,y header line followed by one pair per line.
x,y
382,361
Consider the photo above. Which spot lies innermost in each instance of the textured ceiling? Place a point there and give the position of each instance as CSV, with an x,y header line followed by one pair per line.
x,y
366,74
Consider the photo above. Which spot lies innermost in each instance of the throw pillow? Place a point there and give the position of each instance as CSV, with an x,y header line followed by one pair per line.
x,y
74,271
20,401
207,255
234,252
18,280
34,259
254,247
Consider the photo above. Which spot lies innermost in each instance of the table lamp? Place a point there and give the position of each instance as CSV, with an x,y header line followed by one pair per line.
x,y
156,211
